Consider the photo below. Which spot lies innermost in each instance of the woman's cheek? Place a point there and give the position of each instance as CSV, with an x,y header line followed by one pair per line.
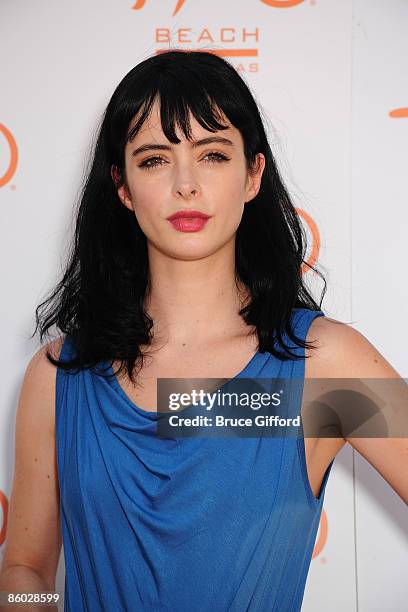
x,y
146,203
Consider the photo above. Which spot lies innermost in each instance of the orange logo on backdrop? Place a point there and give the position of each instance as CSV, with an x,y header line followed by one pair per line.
x,y
314,253
139,4
12,165
4,507
399,113
282,3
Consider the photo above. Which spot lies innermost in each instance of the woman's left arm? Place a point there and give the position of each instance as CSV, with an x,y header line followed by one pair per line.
x,y
346,353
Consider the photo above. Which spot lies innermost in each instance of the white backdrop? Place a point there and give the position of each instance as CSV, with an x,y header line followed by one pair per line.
x,y
331,77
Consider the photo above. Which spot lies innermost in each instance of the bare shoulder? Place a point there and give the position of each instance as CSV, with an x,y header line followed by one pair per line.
x,y
40,382
39,359
39,368
342,351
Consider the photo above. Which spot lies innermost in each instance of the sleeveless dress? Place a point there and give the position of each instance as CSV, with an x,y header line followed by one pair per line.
x,y
180,525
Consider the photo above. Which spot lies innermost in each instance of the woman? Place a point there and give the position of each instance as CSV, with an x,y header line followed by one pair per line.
x,y
186,264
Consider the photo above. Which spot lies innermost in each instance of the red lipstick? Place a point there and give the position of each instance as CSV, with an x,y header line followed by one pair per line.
x,y
188,220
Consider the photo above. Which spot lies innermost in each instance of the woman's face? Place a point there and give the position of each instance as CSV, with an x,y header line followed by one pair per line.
x,y
211,178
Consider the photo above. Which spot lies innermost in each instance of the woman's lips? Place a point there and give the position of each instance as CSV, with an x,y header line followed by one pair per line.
x,y
188,224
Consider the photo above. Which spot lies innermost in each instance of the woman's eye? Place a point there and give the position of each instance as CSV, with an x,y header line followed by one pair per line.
x,y
147,165
219,157
153,162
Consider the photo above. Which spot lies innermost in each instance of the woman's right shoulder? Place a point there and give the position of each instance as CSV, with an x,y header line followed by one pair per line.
x,y
39,368
39,383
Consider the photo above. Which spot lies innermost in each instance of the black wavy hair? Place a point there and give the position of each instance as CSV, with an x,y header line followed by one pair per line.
x,y
99,302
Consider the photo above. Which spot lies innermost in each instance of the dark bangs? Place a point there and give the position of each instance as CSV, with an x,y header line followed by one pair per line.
x,y
183,85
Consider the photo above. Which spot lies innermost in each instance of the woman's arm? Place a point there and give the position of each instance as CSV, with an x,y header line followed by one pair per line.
x,y
346,353
33,542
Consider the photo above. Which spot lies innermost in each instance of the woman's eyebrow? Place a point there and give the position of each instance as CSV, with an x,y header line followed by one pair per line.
x,y
194,144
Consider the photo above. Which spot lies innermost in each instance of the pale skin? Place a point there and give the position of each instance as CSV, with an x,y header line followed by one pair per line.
x,y
197,333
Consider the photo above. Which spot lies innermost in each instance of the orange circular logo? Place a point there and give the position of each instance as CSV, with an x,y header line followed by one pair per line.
x,y
13,158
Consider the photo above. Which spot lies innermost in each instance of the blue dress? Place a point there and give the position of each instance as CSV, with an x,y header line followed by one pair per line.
x,y
189,524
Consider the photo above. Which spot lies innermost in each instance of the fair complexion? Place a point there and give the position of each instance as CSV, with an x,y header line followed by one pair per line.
x,y
192,274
